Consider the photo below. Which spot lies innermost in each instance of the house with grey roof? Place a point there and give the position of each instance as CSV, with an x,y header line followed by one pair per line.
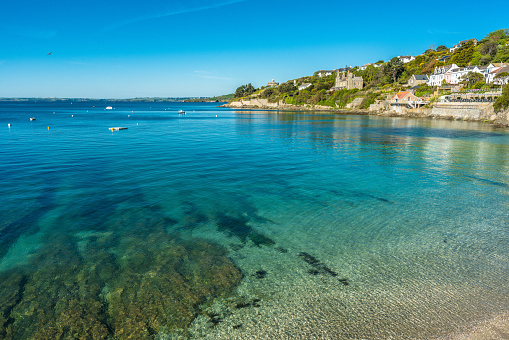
x,y
417,79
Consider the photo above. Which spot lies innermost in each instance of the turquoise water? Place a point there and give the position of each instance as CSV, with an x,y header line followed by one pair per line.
x,y
247,224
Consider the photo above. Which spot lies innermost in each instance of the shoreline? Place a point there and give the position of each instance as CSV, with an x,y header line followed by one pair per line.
x,y
500,119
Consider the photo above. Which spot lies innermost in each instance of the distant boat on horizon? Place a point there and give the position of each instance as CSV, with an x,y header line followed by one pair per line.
x,y
109,108
32,118
182,112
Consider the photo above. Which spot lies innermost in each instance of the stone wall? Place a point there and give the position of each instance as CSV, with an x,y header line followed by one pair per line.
x,y
255,102
465,111
379,106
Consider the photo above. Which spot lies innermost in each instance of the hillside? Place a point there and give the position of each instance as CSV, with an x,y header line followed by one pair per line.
x,y
382,79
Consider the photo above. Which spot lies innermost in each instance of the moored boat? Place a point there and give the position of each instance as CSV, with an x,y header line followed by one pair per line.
x,y
182,112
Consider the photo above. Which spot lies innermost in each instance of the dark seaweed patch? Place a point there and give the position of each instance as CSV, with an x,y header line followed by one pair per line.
x,y
193,216
281,250
344,281
237,326
353,193
245,304
238,227
236,247
319,267
214,318
10,233
260,274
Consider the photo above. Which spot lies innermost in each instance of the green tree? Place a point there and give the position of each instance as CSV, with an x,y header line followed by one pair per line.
x,y
287,87
489,48
464,54
502,55
442,48
394,68
244,90
502,102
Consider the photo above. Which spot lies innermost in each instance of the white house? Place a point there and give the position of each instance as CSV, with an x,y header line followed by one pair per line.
x,y
438,75
499,81
406,58
304,86
325,73
453,74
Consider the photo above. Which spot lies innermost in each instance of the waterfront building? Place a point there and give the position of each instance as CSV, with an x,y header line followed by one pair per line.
x,y
403,101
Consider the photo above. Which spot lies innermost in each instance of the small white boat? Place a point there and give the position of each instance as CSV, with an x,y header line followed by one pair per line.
x,y
32,118
182,112
118,128
109,108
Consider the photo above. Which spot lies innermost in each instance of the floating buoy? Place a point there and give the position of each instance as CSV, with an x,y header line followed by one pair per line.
x,y
136,124
72,115
128,115
216,115
9,125
48,127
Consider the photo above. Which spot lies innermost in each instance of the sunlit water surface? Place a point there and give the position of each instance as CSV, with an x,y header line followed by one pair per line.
x,y
230,224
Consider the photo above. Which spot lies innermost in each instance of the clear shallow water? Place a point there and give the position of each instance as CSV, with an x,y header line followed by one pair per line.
x,y
248,224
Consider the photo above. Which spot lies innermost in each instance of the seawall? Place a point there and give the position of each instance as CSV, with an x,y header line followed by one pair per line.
x,y
450,111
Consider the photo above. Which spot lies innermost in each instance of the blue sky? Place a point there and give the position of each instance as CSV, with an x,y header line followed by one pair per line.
x,y
126,49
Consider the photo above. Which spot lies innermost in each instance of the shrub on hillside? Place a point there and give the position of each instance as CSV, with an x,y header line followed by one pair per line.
x,y
502,102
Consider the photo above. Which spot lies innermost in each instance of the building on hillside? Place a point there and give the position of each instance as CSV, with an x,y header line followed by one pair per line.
x,y
272,83
363,67
304,86
406,58
325,73
453,74
417,79
461,43
344,69
497,71
444,58
403,101
346,80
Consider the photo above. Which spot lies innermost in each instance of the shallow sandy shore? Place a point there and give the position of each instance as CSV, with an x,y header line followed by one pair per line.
x,y
491,329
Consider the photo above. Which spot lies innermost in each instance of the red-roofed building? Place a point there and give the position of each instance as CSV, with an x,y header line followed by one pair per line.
x,y
403,101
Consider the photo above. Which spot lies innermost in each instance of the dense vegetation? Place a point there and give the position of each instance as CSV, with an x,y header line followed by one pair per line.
x,y
382,79
502,102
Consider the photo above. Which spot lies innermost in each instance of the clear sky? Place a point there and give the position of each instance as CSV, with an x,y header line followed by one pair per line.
x,y
152,48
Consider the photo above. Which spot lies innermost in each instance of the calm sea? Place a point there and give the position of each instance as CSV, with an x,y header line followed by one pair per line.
x,y
227,224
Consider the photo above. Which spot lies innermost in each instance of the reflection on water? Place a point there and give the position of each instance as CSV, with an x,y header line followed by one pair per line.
x,y
248,224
